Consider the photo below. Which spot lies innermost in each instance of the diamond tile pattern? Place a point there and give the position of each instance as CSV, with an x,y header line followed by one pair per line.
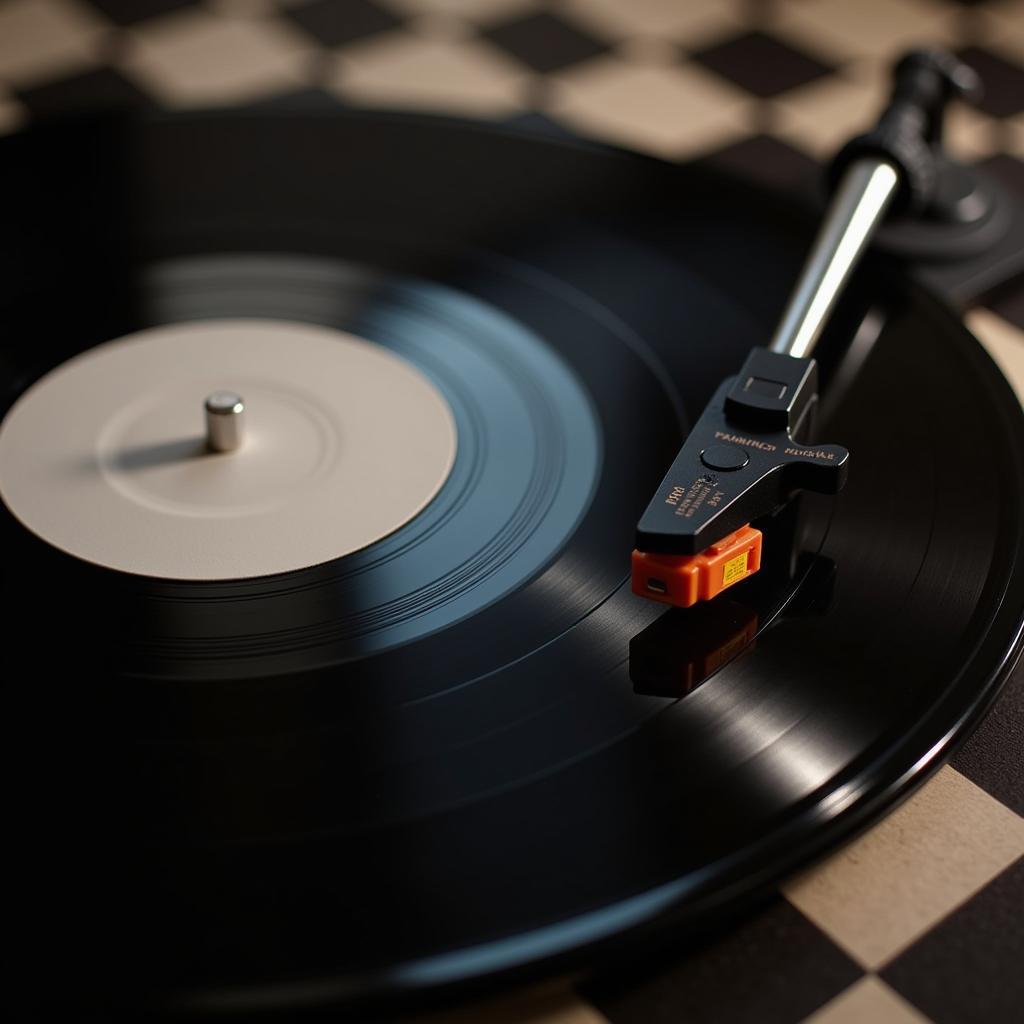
x,y
929,856
870,30
741,976
335,22
762,64
545,41
919,920
869,1000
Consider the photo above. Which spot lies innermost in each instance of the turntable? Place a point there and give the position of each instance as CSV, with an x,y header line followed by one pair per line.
x,y
326,437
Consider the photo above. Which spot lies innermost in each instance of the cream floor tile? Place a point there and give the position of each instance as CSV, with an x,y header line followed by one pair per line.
x,y
669,111
884,890
196,58
969,134
403,70
694,23
42,39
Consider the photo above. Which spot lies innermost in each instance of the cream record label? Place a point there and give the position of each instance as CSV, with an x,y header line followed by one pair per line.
x,y
339,442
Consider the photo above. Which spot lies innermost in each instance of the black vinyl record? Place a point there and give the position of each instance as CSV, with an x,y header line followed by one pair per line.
x,y
468,751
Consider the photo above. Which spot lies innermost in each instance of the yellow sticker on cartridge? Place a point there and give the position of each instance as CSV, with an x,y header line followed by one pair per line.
x,y
735,569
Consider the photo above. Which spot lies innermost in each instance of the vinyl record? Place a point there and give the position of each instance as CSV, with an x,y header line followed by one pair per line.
x,y
466,751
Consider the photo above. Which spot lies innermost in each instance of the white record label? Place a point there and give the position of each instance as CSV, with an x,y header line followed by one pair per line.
x,y
106,457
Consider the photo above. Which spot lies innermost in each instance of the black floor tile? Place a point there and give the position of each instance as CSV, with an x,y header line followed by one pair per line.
x,y
993,758
970,968
336,22
131,12
1002,79
762,64
545,42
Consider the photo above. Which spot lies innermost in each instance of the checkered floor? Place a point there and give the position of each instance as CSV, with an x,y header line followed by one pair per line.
x,y
922,918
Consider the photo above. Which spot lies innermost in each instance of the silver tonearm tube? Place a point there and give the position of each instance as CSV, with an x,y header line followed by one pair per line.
x,y
862,198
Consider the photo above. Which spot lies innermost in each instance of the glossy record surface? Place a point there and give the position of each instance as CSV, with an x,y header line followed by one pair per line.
x,y
445,758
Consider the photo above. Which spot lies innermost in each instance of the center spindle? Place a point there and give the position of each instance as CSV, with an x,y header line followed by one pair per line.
x,y
225,421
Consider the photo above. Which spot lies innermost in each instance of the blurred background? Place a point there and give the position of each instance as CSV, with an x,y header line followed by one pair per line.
x,y
769,86
765,88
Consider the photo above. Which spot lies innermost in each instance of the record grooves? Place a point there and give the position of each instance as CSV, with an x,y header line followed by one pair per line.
x,y
467,750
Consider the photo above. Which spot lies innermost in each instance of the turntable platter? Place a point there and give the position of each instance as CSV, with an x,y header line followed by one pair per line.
x,y
466,749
